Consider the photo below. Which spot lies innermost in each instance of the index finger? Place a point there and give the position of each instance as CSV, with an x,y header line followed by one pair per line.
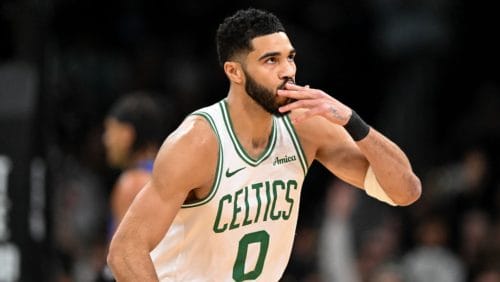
x,y
297,94
292,86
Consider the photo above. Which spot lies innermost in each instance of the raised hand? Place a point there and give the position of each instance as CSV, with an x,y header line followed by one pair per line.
x,y
314,102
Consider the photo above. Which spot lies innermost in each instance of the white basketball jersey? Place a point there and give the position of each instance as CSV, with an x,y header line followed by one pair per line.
x,y
244,229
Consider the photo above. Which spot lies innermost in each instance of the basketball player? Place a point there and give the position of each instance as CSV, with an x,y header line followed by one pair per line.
x,y
133,133
223,201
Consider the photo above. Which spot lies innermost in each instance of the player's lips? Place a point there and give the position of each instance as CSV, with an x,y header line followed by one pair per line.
x,y
282,86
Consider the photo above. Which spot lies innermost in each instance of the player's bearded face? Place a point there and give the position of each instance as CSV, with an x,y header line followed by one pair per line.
x,y
265,97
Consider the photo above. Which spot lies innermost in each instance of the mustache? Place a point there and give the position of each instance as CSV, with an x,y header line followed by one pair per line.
x,y
282,86
287,80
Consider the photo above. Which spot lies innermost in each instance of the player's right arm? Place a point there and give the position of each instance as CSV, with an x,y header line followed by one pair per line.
x,y
191,148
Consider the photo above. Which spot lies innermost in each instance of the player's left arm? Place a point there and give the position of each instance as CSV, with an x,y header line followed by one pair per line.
x,y
373,163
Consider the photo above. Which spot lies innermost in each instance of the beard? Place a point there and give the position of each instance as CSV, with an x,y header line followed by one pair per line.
x,y
266,98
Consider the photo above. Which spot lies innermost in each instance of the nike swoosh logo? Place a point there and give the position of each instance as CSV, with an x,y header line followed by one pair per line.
x,y
231,173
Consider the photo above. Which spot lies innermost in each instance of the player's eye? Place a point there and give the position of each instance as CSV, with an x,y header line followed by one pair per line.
x,y
271,60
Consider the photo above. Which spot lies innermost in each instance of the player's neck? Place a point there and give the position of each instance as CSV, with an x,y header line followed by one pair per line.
x,y
251,123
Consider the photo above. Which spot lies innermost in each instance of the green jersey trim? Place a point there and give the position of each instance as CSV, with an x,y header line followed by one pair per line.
x,y
296,142
237,145
220,159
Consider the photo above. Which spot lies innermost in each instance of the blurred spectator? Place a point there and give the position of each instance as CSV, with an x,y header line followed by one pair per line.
x,y
488,275
304,266
464,178
349,249
475,227
486,266
389,272
337,258
379,248
79,208
430,259
133,132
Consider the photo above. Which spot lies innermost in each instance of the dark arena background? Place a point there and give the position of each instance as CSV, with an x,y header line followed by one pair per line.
x,y
423,72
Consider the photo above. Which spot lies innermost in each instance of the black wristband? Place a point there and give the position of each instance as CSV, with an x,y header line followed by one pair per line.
x,y
356,127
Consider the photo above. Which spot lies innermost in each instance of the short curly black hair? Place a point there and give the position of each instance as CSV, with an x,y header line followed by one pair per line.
x,y
143,111
235,33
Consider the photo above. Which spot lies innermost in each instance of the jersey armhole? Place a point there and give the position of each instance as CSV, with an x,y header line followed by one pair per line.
x,y
218,171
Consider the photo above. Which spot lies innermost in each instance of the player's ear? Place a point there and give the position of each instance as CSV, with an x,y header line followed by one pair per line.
x,y
234,71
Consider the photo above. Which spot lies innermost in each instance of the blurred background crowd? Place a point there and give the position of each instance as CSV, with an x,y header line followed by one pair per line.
x,y
423,72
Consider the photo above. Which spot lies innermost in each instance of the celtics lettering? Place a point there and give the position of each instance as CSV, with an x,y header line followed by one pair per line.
x,y
258,202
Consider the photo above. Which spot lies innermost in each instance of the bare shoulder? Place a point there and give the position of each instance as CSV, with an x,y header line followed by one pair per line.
x,y
193,133
192,147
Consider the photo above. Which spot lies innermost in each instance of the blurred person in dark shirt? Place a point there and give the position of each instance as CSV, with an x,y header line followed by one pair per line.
x,y
133,132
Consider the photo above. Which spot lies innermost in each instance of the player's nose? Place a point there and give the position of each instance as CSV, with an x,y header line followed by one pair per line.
x,y
287,69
